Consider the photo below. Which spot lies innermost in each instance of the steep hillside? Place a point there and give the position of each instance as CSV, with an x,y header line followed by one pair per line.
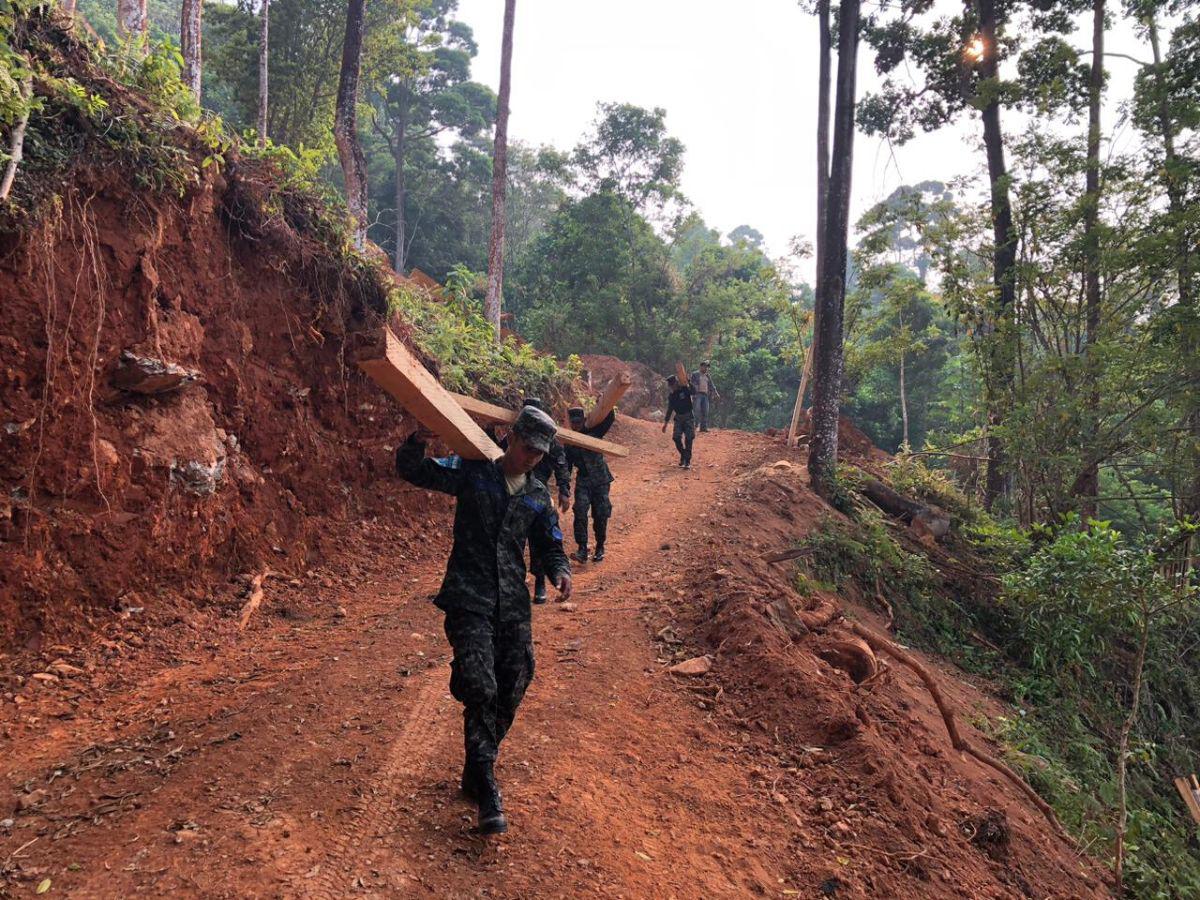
x,y
178,399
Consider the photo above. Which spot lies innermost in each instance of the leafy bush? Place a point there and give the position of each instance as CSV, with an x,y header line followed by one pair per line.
x,y
464,345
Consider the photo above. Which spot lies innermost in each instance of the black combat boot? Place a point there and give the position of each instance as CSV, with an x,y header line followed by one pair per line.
x,y
468,783
601,526
580,555
539,589
491,806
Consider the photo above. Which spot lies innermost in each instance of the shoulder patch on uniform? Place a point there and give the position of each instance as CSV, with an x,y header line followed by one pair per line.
x,y
449,462
533,503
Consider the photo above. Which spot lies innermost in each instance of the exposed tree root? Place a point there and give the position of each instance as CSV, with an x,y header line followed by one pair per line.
x,y
253,601
881,644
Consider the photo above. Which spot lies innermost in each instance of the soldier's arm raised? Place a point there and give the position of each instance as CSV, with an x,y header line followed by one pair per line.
x,y
435,475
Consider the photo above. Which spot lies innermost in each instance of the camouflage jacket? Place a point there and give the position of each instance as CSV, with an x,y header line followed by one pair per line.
x,y
486,571
593,468
555,462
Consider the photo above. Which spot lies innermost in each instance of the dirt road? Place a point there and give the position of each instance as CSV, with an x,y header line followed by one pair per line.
x,y
318,753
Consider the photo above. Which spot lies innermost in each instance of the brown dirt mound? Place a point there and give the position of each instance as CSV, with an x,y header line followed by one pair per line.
x,y
888,807
645,397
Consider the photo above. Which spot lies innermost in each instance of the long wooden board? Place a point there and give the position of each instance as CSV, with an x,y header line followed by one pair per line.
x,y
390,364
609,399
500,415
681,374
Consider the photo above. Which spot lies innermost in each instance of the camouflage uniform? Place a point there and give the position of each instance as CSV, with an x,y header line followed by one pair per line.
x,y
554,462
592,485
483,593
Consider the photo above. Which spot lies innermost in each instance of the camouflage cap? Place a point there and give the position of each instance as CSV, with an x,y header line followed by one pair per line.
x,y
575,412
536,428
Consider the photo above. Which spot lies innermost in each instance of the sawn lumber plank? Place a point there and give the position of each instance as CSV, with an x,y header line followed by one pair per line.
x,y
500,415
393,367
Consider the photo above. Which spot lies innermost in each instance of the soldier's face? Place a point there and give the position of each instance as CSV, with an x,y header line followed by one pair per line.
x,y
520,458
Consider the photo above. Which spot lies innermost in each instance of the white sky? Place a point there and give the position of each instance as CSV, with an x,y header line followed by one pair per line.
x,y
738,83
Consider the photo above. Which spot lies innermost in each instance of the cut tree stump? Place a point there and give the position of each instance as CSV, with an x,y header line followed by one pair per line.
x,y
609,399
500,415
394,368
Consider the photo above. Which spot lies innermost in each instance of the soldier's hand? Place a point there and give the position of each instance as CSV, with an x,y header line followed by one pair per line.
x,y
664,428
564,587
564,502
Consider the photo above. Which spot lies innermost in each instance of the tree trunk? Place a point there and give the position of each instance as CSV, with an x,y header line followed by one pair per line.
x,y
264,56
495,291
828,358
1001,355
1190,505
345,126
1139,666
16,144
825,64
131,19
189,39
1088,484
399,152
903,404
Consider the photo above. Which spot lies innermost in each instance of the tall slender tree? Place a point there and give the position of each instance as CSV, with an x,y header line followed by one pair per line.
x,y
190,40
1087,485
828,358
824,72
495,291
264,59
345,127
422,91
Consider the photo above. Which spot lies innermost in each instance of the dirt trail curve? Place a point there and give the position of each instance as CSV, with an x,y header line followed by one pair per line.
x,y
320,757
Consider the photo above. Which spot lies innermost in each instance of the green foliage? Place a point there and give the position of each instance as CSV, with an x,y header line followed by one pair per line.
x,y
469,359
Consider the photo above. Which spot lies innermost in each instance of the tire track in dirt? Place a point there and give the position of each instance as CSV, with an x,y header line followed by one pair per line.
x,y
424,730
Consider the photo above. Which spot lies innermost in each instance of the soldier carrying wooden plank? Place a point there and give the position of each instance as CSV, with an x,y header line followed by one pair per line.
x,y
500,507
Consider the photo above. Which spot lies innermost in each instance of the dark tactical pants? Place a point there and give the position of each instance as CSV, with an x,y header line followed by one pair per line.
x,y
700,405
492,667
683,435
595,498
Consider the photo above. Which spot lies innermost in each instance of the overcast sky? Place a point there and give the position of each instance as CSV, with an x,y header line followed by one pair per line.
x,y
738,83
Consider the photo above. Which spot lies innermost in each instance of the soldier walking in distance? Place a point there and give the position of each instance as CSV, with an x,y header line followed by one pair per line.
x,y
500,507
679,405
703,390
591,485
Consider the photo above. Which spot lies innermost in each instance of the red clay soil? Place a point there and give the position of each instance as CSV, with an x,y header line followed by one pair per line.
x,y
317,754
647,395
111,500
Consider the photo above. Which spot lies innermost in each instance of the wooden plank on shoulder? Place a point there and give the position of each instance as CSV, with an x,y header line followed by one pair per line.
x,y
609,399
500,415
1189,798
394,368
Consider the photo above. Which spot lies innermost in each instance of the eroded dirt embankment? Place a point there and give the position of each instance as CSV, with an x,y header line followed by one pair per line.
x,y
113,497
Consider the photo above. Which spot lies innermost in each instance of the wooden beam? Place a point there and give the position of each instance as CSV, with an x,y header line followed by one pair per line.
x,y
805,373
609,399
1189,798
490,412
681,374
393,367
